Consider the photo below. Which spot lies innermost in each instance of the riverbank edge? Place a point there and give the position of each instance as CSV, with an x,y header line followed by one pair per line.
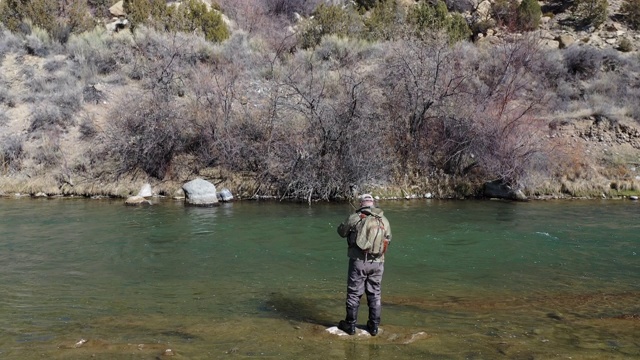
x,y
247,191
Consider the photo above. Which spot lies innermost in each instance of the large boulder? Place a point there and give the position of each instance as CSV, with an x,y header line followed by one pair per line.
x,y
117,9
200,192
145,191
498,189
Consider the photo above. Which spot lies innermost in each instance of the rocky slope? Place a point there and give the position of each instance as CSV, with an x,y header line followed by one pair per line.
x,y
612,143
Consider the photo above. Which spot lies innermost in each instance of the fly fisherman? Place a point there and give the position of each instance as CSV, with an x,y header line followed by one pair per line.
x,y
368,233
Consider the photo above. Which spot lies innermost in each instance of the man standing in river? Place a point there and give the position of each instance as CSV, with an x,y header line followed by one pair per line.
x,y
365,266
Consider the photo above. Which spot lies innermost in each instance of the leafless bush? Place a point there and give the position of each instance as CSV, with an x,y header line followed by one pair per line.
x,y
53,65
48,153
11,152
420,81
583,61
5,95
345,52
39,43
87,128
47,116
165,60
145,133
61,89
4,118
337,136
509,135
90,94
97,53
9,42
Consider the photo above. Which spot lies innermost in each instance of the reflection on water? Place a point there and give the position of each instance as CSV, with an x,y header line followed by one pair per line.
x,y
464,280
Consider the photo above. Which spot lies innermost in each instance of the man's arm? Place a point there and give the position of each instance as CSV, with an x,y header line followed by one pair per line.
x,y
345,227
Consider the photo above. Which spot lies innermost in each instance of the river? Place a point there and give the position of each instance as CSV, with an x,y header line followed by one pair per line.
x,y
96,279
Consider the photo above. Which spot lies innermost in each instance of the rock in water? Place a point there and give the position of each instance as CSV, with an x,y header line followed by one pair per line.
x,y
136,200
335,331
225,195
200,192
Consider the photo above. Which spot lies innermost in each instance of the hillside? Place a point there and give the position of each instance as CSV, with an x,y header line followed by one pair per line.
x,y
551,112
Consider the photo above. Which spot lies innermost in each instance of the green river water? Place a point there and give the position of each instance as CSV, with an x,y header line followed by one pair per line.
x,y
94,279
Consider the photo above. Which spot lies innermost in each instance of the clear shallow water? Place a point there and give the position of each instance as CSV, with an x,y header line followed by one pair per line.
x,y
463,280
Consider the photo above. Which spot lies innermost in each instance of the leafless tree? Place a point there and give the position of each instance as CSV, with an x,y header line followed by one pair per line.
x,y
340,139
421,79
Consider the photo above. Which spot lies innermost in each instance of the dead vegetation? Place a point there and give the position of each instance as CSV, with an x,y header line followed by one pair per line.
x,y
104,113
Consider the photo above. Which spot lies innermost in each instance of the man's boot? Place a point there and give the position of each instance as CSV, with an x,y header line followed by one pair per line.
x,y
348,325
372,327
374,321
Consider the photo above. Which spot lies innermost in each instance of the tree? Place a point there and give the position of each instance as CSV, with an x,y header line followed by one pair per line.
x,y
427,19
590,12
631,11
138,11
529,13
505,13
383,21
330,20
12,13
420,81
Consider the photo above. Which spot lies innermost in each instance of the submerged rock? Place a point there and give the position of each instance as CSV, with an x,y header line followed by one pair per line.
x,y
359,332
136,200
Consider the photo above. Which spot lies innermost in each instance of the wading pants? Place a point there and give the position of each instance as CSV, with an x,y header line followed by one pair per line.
x,y
365,277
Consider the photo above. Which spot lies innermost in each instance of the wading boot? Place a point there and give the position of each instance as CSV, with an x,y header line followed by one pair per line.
x,y
348,325
372,328
374,320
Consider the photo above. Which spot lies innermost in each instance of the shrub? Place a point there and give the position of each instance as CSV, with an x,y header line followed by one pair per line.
x,y
4,118
11,152
100,7
11,13
583,61
146,133
46,116
289,7
330,20
631,11
427,19
77,17
590,12
213,26
87,128
625,45
5,95
383,21
47,153
505,13
529,13
9,42
41,13
92,95
138,12
367,4
53,65
39,43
